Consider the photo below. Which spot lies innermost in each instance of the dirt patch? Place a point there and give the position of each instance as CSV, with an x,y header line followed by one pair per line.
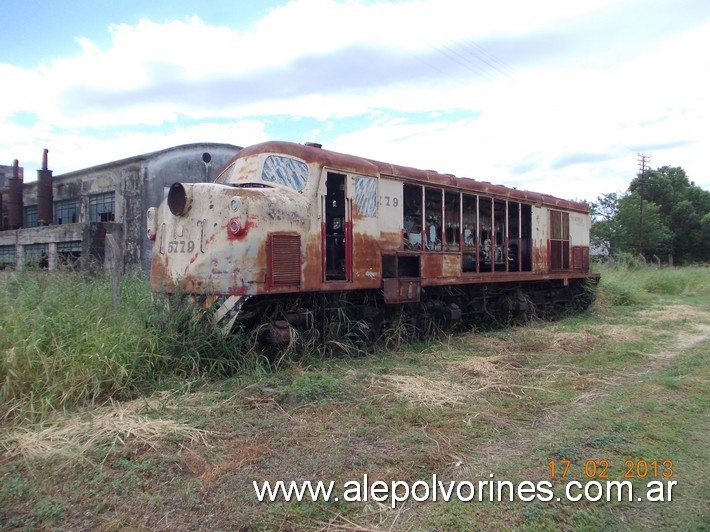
x,y
239,454
684,342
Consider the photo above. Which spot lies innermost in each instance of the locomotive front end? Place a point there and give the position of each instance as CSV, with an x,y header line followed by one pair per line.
x,y
213,238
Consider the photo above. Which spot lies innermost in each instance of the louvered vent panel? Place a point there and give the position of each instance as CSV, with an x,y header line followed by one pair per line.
x,y
577,258
285,259
580,258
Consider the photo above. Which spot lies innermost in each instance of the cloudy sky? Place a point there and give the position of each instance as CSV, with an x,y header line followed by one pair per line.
x,y
555,96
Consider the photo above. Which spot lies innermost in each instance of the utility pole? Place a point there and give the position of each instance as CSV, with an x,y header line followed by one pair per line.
x,y
642,160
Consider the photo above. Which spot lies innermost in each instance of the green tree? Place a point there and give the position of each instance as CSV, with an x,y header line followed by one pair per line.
x,y
657,237
682,207
604,233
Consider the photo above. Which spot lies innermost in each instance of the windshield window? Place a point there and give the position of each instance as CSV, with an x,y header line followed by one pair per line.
x,y
285,171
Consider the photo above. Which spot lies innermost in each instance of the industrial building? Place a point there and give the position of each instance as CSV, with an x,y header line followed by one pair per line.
x,y
87,218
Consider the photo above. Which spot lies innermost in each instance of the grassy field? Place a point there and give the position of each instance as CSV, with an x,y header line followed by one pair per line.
x,y
145,439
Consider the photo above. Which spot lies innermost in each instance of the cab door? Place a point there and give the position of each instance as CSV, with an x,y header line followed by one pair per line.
x,y
337,229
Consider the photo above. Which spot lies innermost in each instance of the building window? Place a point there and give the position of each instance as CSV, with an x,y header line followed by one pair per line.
x,y
7,257
66,212
102,207
31,216
69,253
37,255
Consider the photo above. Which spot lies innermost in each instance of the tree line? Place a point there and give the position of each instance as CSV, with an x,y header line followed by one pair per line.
x,y
662,213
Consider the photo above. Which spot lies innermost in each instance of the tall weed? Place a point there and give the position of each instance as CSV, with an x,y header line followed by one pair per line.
x,y
623,285
62,343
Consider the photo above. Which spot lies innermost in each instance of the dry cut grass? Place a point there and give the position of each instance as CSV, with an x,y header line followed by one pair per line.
x,y
462,381
106,426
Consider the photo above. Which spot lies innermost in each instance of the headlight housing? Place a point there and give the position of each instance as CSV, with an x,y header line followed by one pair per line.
x,y
179,201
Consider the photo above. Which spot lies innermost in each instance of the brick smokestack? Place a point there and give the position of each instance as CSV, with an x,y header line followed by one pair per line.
x,y
45,193
14,198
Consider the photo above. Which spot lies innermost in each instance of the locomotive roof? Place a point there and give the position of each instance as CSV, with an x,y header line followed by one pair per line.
x,y
311,153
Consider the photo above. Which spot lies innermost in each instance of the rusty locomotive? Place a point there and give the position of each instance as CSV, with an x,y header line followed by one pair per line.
x,y
288,233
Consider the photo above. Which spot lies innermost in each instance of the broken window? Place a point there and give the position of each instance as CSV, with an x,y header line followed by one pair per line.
x,y
432,219
285,171
452,219
500,237
7,257
486,251
366,196
68,253
470,216
412,212
514,249
526,237
102,207
66,212
559,240
37,255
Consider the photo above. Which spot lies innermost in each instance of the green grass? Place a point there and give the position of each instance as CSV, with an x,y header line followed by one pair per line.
x,y
622,286
626,380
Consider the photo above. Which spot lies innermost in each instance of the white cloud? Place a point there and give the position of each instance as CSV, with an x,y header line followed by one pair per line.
x,y
552,96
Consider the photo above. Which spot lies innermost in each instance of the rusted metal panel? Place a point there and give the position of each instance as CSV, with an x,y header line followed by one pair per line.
x,y
366,262
432,265
539,239
452,265
390,214
367,270
513,277
402,290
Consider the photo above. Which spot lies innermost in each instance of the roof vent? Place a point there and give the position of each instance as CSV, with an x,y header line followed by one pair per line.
x,y
313,145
